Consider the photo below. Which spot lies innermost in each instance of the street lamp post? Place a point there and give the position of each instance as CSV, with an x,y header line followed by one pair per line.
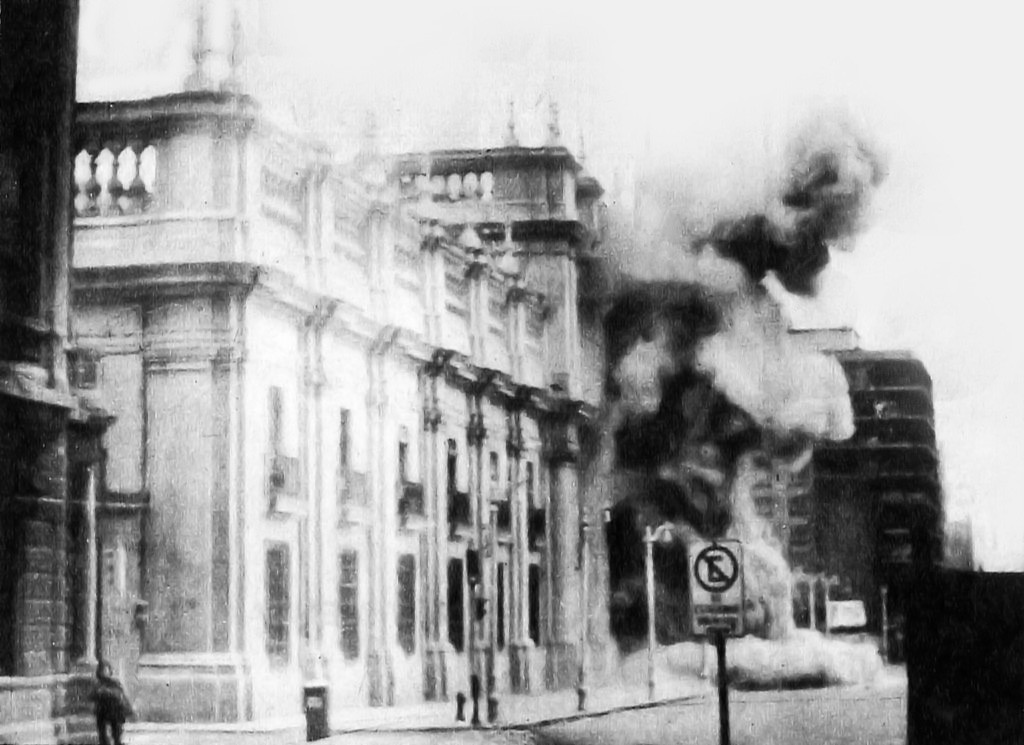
x,y
661,533
581,690
474,677
492,698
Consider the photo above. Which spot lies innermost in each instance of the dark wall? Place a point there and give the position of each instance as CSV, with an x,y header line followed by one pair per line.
x,y
965,658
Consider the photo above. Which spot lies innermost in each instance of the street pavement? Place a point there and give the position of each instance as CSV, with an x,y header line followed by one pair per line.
x,y
686,711
456,737
831,716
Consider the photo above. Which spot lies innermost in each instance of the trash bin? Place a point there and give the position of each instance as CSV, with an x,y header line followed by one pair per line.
x,y
314,702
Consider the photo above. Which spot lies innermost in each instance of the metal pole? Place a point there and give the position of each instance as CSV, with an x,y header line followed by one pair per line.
x,y
885,623
723,689
476,485
92,569
581,690
474,677
491,659
649,566
829,582
812,590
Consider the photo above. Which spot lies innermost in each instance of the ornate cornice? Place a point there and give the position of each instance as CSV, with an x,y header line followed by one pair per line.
x,y
498,386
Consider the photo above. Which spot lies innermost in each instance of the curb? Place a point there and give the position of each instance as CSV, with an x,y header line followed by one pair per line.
x,y
523,726
580,715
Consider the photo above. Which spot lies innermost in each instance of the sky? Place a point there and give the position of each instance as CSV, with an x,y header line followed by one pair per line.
x,y
707,91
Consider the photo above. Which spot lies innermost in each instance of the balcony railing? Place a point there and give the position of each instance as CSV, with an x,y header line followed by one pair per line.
x,y
283,484
115,181
353,489
410,500
283,475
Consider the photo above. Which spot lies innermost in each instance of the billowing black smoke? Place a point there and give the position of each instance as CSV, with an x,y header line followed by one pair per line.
x,y
702,373
760,247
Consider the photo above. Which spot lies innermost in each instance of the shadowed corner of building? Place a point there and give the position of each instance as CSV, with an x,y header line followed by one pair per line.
x,y
965,658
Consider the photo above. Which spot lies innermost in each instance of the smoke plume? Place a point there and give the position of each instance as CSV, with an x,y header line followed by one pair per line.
x,y
701,370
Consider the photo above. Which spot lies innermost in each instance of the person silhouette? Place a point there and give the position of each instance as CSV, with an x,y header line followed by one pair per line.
x,y
112,705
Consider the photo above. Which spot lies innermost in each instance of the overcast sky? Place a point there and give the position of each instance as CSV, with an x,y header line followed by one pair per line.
x,y
709,88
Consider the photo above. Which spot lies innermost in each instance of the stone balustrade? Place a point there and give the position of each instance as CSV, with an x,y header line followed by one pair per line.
x,y
453,187
113,180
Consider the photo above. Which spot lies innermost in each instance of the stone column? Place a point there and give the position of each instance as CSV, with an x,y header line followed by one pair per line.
x,y
519,609
563,462
434,660
377,662
315,494
440,455
476,435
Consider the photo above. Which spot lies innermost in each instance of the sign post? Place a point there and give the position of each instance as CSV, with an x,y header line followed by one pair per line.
x,y
651,628
716,600
723,688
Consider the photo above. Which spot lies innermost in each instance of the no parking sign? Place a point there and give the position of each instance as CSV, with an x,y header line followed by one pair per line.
x,y
716,586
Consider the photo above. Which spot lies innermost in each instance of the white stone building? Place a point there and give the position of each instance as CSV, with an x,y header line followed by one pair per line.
x,y
345,394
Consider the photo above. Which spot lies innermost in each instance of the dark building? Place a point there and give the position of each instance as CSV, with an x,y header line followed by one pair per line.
x,y
876,513
50,458
864,514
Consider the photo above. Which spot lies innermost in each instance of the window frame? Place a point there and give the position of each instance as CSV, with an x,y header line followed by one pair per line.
x,y
348,605
406,602
457,604
277,647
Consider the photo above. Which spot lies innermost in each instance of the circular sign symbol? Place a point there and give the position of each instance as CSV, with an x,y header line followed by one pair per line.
x,y
716,569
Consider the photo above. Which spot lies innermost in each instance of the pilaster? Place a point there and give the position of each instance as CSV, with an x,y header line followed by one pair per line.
x,y
379,667
562,456
436,677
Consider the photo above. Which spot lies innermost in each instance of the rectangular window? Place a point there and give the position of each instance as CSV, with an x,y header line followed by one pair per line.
x,y
403,461
278,601
343,440
473,566
275,413
346,493
456,605
494,475
500,602
407,603
534,589
348,599
453,466
531,494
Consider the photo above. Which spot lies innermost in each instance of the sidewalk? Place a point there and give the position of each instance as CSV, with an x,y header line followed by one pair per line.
x,y
514,711
519,710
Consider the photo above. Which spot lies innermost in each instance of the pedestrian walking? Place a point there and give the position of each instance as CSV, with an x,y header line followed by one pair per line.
x,y
112,705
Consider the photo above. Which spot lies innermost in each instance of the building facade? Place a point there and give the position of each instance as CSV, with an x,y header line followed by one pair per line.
x,y
50,450
357,400
855,519
867,511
